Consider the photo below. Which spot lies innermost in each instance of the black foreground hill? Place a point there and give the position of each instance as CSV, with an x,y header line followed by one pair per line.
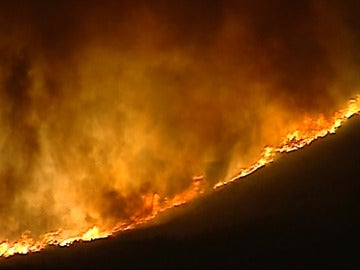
x,y
302,211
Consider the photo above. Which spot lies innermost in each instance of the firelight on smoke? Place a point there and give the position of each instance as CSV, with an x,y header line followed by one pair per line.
x,y
111,113
313,129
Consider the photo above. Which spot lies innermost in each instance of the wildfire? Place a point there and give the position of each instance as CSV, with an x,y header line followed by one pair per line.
x,y
311,129
26,244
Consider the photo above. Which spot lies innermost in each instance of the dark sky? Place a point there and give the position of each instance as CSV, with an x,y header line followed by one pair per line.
x,y
102,103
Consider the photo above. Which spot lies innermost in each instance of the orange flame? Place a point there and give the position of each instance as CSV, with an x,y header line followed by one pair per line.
x,y
152,202
311,129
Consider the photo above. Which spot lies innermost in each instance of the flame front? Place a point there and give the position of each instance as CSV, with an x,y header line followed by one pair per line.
x,y
112,112
310,130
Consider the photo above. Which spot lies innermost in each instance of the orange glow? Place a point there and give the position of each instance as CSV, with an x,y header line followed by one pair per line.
x,y
61,238
309,130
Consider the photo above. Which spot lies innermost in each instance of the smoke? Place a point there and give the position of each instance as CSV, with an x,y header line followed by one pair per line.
x,y
103,102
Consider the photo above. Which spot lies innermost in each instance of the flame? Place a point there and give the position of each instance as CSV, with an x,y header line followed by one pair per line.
x,y
308,131
152,202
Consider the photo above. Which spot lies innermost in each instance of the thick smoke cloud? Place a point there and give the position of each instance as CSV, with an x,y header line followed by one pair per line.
x,y
103,102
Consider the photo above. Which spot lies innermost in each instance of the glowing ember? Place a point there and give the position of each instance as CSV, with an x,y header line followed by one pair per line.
x,y
153,204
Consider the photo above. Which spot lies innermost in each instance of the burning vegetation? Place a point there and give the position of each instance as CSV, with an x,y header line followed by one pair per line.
x,y
111,113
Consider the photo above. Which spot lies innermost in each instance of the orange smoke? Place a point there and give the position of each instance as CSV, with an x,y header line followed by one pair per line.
x,y
112,112
311,130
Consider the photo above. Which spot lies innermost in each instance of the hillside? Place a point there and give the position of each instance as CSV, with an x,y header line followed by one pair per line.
x,y
300,211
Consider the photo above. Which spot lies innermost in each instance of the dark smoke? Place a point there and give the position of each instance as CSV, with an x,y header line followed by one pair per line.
x,y
103,102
